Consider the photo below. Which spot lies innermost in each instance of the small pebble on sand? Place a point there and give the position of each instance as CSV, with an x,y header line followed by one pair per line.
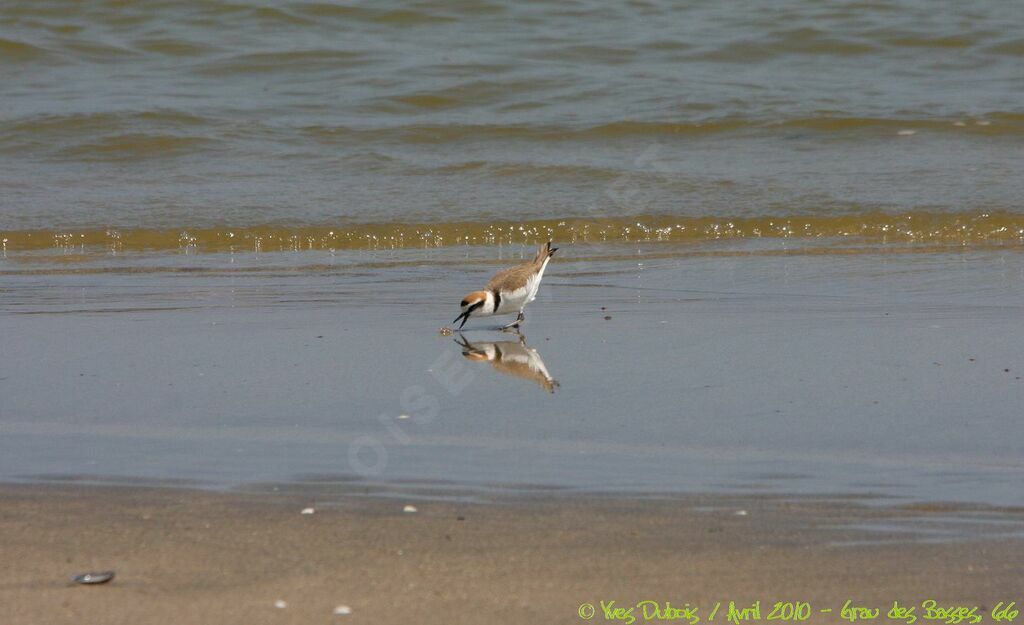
x,y
308,510
342,610
403,416
280,604
445,331
906,133
741,513
409,509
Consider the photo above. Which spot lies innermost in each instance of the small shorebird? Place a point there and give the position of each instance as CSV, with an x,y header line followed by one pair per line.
x,y
509,290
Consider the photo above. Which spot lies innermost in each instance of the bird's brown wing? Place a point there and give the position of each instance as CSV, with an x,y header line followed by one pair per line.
x,y
511,278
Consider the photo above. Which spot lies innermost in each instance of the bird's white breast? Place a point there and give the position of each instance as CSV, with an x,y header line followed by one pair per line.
x,y
513,301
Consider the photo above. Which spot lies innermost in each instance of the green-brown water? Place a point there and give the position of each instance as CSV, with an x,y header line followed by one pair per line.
x,y
873,229
150,124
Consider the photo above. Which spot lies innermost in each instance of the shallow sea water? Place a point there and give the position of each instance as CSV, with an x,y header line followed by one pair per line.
x,y
234,114
882,374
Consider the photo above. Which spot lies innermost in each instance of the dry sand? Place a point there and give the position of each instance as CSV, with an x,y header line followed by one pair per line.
x,y
205,557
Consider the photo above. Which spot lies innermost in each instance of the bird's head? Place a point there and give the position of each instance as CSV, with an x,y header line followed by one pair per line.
x,y
471,304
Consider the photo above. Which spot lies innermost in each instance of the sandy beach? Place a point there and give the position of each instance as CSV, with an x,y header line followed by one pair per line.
x,y
777,358
198,557
730,426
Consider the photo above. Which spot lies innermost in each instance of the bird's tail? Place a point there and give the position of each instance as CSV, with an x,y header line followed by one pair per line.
x,y
545,252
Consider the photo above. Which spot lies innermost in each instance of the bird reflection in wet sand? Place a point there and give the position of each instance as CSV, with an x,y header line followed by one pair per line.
x,y
511,358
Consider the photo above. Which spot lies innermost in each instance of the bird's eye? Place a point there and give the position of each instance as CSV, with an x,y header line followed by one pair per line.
x,y
463,303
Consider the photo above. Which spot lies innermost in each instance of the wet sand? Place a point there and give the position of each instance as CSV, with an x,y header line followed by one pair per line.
x,y
199,557
722,368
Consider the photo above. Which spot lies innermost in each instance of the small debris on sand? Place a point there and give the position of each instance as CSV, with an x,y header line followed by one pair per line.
x,y
280,604
906,133
308,510
607,317
342,610
445,331
740,513
90,579
409,509
403,416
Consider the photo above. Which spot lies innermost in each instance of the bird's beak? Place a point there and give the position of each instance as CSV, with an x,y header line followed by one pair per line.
x,y
464,316
552,252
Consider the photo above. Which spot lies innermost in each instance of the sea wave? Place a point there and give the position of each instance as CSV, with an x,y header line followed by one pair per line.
x,y
13,51
282,61
993,124
98,124
965,229
101,135
109,136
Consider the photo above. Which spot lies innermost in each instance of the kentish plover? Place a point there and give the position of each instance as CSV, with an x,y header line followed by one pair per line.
x,y
509,291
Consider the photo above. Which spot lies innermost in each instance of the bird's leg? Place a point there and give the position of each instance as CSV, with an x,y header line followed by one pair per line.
x,y
515,324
